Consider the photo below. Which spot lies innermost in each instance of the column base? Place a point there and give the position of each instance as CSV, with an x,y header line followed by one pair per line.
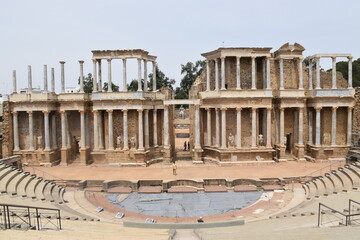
x,y
84,156
65,156
166,154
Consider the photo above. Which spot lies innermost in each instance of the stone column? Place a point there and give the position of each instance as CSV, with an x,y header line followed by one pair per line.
x,y
301,84
349,125
140,129
31,131
62,64
238,83
216,75
95,86
223,128
207,76
154,75
166,127
281,64
310,141
155,127
53,131
125,130
29,80
253,73
145,76
333,126
109,75
253,127
96,130
52,80
223,73
101,130
16,131
208,126
45,79
310,74
81,62
146,125
268,127
124,75
47,130
14,81
282,127
268,77
197,127
317,126
238,127
217,129
110,129
317,74
100,86
333,71
350,84
82,130
301,126
63,129
139,75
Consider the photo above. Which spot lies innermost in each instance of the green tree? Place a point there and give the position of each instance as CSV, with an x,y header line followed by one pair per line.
x,y
114,87
161,80
342,67
133,86
191,71
88,83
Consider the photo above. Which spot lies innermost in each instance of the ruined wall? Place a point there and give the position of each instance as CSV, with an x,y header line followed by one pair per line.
x,y
356,112
7,142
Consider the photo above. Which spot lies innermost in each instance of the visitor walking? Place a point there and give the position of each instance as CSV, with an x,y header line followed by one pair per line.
x,y
188,146
174,167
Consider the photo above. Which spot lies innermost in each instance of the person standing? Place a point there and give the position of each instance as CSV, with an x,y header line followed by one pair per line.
x,y
188,146
185,146
174,167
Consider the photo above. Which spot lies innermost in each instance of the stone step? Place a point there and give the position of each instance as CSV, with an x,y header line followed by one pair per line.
x,y
14,183
355,176
329,186
21,188
312,190
30,188
320,186
4,182
348,184
56,194
338,185
48,190
39,190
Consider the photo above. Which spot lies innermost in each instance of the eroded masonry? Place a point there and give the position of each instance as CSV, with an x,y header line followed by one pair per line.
x,y
249,104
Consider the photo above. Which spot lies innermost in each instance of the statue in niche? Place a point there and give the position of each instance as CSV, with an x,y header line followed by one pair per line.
x,y
284,141
118,141
39,142
231,140
261,140
182,112
133,142
326,139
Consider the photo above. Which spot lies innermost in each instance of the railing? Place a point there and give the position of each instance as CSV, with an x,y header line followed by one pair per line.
x,y
26,217
339,217
322,171
47,176
353,209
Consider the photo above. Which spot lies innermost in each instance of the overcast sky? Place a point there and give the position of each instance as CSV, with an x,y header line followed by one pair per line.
x,y
45,32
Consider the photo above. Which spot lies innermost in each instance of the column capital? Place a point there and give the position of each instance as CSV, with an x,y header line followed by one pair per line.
x,y
239,109
254,108
317,108
95,111
30,112
81,62
125,111
223,108
46,112
14,112
301,108
238,58
109,111
222,57
140,110
350,58
253,57
124,59
350,108
146,110
334,108
93,60
139,59
333,58
62,111
300,58
62,62
81,111
109,60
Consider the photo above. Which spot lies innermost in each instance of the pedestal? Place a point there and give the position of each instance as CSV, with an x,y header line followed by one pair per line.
x,y
84,156
65,156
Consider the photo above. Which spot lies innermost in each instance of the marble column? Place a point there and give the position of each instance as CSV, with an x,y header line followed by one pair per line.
x,y
95,86
301,126
253,73
268,127
238,83
63,129
154,76
100,85
29,80
333,126
166,127
53,80
82,130
317,126
216,75
96,130
31,131
81,62
268,73
333,71
281,64
223,128
145,76
207,76
16,131
46,130
124,75
125,130
68,137
155,127
238,127
282,135
317,74
301,80
310,75
310,140
217,129
140,129
253,126
14,81
62,64
53,131
45,79
139,75
349,125
350,74
146,130
109,75
223,80
110,129
101,130
208,126
197,127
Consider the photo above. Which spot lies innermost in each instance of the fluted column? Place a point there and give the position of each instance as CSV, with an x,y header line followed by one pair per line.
x,y
333,126
100,85
268,127
223,80
110,129
109,75
52,80
62,64
82,130
310,139
155,127
216,75
317,73
95,86
31,131
145,76
208,126
253,73
154,76
223,128
207,76
268,76
14,81
217,129
281,64
197,127
140,129
63,130
29,80
238,83
301,126
166,127
101,130
253,126
349,125
350,83
310,75
301,84
238,127
333,71
46,130
282,127
45,79
81,62
146,130
96,130
16,131
139,75
124,75
53,131
317,126
125,130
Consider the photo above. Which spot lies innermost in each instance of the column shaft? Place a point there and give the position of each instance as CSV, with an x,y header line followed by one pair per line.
x,y
139,75
29,80
350,74
333,126
223,128
223,73
238,127
125,130
238,83
45,79
145,76
82,129
52,80
317,127
301,84
282,127
62,63
317,73
208,129
124,75
268,77
166,127
281,63
216,75
81,76
16,131
140,129
217,129
14,81
155,127
197,127
31,131
63,130
310,140
100,76
53,131
349,125
154,76
47,130
310,74
301,127
207,76
110,129
333,71
96,130
253,127
268,127
101,130
95,86
146,131
253,73
109,76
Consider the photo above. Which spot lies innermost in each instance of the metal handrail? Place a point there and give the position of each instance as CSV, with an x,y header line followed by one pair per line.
x,y
321,169
54,178
332,209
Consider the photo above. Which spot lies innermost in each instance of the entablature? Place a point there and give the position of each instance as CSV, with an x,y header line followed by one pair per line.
x,y
254,93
